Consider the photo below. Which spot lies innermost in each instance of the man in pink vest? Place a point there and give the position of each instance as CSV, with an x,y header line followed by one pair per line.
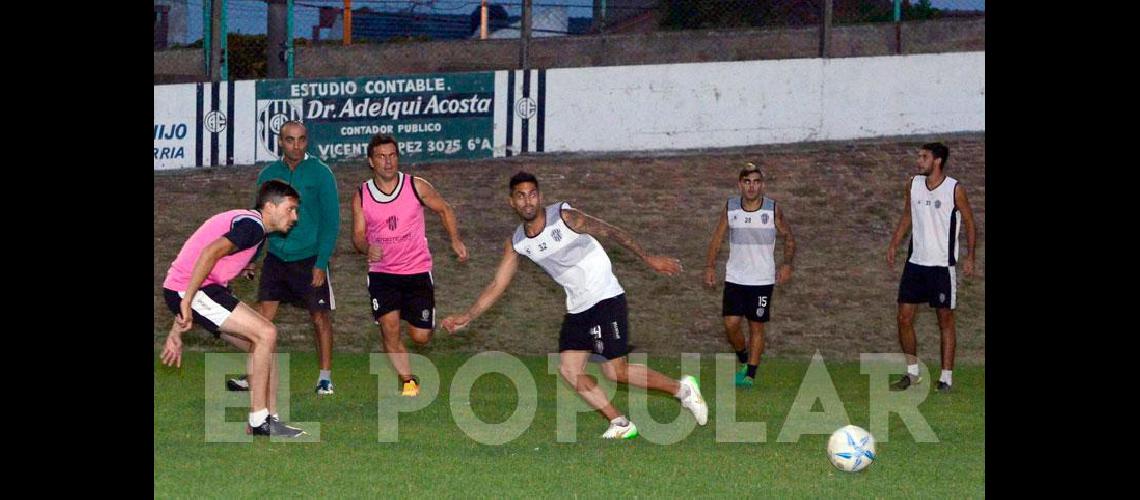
x,y
388,227
196,291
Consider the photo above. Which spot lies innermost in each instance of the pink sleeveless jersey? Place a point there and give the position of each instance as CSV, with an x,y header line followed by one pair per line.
x,y
178,276
396,222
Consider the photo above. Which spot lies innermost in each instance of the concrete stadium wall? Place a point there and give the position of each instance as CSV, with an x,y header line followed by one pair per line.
x,y
682,106
616,108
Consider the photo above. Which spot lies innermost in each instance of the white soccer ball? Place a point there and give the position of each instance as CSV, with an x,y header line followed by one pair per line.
x,y
851,448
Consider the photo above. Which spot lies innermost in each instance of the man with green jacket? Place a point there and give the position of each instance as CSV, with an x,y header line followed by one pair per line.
x,y
296,268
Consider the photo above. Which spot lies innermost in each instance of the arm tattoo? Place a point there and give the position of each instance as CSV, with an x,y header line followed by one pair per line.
x,y
594,226
785,231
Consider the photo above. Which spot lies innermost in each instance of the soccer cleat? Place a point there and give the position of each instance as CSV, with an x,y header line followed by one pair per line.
x,y
411,387
324,387
621,432
943,387
693,400
906,381
274,427
742,378
744,381
240,384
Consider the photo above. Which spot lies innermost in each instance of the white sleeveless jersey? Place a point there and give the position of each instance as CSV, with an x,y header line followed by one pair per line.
x,y
934,223
576,261
751,243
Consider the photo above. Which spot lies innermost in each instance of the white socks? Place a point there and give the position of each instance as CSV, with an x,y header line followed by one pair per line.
x,y
682,392
256,418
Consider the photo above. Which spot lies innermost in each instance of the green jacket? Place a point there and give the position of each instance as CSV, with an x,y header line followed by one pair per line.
x,y
318,221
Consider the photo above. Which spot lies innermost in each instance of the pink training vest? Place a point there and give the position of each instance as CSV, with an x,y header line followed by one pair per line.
x,y
178,276
396,222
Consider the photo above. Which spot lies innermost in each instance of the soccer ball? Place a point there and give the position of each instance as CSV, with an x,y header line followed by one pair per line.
x,y
851,448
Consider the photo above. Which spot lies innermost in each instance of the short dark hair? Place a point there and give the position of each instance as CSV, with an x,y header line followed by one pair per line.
x,y
750,168
275,191
522,177
939,151
379,139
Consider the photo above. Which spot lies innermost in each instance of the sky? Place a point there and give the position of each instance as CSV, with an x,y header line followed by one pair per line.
x,y
249,16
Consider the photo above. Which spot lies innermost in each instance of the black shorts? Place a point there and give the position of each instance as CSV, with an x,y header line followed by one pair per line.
x,y
210,308
931,284
602,329
753,302
412,294
292,282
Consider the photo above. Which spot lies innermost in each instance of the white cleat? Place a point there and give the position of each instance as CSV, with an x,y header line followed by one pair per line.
x,y
693,401
621,432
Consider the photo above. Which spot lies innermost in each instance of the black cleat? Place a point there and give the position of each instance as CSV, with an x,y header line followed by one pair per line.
x,y
943,387
274,427
906,381
240,384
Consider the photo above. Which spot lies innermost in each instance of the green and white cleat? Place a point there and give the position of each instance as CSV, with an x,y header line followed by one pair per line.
x,y
621,432
693,400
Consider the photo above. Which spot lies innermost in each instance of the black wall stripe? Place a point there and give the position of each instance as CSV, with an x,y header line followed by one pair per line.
x,y
198,136
230,123
510,111
541,146
526,121
215,91
269,137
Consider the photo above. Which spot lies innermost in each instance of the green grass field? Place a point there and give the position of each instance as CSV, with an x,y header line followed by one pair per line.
x,y
434,457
